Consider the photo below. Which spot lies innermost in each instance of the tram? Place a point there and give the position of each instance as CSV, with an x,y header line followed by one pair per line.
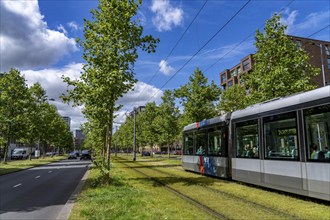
x,y
283,144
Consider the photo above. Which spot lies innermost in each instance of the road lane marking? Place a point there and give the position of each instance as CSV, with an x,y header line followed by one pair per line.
x,y
17,185
37,177
50,171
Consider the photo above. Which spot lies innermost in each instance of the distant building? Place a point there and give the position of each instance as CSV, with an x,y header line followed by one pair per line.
x,y
319,53
67,120
79,139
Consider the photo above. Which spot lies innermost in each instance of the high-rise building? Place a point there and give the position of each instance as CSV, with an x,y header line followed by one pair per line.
x,y
318,51
67,119
79,139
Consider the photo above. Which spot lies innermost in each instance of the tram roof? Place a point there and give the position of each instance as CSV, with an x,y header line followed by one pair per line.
x,y
205,122
278,103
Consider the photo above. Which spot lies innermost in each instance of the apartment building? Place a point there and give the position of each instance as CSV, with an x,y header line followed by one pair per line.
x,y
319,52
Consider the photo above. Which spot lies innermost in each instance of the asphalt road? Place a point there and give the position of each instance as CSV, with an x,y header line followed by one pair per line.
x,y
40,192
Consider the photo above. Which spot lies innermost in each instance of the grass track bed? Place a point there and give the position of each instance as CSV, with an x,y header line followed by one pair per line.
x,y
131,195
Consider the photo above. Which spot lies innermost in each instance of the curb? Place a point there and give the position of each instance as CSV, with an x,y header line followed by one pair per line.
x,y
66,210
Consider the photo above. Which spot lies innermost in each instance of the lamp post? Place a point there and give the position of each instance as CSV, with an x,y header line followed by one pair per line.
x,y
134,137
322,64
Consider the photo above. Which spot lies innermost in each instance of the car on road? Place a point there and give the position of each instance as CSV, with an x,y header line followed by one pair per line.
x,y
20,153
72,155
85,155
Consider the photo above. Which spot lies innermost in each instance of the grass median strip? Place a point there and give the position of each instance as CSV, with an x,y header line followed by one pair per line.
x,y
17,165
130,195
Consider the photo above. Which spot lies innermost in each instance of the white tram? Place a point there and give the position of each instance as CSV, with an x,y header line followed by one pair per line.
x,y
282,144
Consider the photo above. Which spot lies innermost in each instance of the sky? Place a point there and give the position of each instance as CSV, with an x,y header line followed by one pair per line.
x,y
39,39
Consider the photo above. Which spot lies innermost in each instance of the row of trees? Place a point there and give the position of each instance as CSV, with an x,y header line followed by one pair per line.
x,y
281,68
27,117
112,40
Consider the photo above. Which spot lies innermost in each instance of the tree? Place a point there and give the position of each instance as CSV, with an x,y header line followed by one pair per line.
x,y
232,99
13,105
37,97
148,134
198,98
110,50
281,68
166,121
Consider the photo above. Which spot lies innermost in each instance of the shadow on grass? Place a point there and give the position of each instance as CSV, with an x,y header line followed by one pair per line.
x,y
186,181
104,180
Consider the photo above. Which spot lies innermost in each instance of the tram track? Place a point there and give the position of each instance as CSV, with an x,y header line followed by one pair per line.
x,y
179,194
212,190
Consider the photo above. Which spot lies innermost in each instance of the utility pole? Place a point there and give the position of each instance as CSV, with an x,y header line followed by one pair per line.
x,y
134,136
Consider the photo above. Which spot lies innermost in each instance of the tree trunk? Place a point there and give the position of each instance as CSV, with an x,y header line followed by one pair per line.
x,y
6,150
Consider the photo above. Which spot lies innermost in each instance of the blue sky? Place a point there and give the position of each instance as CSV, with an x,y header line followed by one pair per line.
x,y
38,37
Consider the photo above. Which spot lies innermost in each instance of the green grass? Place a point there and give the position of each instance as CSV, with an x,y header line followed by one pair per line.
x,y
129,195
17,165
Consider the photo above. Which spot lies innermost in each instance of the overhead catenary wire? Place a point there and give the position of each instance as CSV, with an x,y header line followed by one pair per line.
x,y
174,47
185,64
319,30
245,39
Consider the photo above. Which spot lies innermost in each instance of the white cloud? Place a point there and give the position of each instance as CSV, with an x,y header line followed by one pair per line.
x,y
73,25
51,81
166,16
308,24
26,41
165,68
289,20
62,29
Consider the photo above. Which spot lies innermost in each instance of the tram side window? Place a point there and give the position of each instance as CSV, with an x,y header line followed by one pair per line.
x,y
280,135
200,142
188,147
317,125
247,139
214,139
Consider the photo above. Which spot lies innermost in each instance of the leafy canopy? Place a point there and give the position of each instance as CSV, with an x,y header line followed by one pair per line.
x,y
281,68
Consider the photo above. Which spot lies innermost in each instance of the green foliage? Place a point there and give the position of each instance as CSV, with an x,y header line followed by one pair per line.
x,y
166,121
111,42
232,99
198,98
281,68
13,104
26,115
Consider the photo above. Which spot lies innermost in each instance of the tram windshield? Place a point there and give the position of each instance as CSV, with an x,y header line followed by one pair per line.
x,y
188,147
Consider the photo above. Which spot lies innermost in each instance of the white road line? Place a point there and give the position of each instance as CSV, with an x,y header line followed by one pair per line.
x,y
50,171
37,177
17,185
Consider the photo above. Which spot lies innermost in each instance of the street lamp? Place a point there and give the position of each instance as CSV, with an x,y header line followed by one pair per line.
x,y
321,50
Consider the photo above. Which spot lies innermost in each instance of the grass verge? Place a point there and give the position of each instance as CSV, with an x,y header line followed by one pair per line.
x,y
17,165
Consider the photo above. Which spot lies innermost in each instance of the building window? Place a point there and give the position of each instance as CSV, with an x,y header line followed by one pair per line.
x,y
327,52
233,73
223,78
238,70
247,139
329,63
298,42
317,125
280,136
230,83
246,65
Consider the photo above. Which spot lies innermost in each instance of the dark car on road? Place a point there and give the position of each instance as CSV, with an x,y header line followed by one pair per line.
x,y
72,155
85,155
